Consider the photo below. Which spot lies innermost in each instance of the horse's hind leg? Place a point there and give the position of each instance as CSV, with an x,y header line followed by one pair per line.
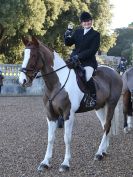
x,y
127,111
105,117
125,123
52,125
68,125
130,123
101,114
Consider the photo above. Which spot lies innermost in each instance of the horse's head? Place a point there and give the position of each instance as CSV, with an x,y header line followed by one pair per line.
x,y
33,61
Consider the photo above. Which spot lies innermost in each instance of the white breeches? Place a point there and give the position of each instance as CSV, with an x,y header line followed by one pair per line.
x,y
89,71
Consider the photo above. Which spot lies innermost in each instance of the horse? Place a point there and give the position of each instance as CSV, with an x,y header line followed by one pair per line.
x,y
127,92
62,96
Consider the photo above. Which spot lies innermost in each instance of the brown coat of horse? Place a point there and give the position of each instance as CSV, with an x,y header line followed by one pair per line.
x,y
127,98
63,97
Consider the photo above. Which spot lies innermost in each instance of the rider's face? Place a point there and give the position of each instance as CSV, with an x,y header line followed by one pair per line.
x,y
87,24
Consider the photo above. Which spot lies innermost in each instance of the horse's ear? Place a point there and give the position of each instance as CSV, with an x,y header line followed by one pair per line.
x,y
25,41
35,41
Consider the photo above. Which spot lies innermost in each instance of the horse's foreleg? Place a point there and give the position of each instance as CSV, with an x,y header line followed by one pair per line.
x,y
52,125
127,111
67,139
106,121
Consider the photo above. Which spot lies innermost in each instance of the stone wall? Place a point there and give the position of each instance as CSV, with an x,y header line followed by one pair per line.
x,y
11,85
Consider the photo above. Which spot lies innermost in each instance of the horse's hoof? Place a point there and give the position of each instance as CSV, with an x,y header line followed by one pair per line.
x,y
104,154
42,167
129,129
63,168
98,157
126,130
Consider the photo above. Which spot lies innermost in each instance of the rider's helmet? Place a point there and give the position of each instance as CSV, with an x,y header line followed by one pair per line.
x,y
85,16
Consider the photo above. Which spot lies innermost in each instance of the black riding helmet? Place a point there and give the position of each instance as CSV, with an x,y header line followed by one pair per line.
x,y
85,16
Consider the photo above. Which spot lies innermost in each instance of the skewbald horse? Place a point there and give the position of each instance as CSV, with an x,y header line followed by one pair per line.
x,y
63,97
128,99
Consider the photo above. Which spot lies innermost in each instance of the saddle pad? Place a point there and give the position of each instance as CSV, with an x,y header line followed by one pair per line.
x,y
84,104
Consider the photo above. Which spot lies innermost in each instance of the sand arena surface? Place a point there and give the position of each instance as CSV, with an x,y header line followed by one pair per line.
x,y
23,140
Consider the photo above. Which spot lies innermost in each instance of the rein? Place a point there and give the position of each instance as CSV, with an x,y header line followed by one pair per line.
x,y
52,71
24,70
51,99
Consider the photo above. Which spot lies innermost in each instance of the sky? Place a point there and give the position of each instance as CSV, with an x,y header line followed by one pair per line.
x,y
122,13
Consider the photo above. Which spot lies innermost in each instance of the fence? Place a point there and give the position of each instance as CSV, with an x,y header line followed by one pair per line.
x,y
11,85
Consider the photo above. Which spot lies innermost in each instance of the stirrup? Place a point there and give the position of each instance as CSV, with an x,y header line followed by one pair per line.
x,y
92,102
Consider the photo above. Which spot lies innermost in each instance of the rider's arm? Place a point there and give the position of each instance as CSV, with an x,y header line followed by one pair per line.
x,y
92,50
69,36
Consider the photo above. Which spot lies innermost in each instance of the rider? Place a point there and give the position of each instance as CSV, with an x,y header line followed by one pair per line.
x,y
122,65
87,42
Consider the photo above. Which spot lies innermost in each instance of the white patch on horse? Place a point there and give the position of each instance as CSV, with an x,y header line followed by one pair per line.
x,y
103,145
22,76
26,58
75,94
67,139
51,137
101,115
129,122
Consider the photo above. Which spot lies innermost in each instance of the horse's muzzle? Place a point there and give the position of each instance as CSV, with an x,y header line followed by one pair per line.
x,y
27,83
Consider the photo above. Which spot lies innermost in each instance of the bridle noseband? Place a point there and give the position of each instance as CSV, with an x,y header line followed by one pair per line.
x,y
25,71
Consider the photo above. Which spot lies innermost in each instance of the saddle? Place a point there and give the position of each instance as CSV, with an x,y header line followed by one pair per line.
x,y
88,88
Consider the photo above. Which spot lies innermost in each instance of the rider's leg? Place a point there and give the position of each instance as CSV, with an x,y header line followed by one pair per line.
x,y
89,71
90,84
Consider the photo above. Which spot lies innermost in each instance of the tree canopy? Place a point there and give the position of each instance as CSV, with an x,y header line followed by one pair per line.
x,y
48,19
124,43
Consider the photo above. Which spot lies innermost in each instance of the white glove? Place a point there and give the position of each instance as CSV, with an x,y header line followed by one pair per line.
x,y
70,26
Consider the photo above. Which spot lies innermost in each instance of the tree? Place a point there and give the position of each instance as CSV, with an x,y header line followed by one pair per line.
x,y
16,18
124,42
130,25
101,11
48,19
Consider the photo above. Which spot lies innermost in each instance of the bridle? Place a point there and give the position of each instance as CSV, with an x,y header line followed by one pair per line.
x,y
33,70
25,71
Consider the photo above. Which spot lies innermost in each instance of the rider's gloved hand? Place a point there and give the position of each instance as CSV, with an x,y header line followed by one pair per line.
x,y
69,31
75,58
70,27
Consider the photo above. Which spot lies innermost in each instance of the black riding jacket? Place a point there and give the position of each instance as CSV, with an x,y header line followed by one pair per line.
x,y
86,46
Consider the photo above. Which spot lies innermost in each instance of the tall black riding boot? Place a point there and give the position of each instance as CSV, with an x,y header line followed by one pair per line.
x,y
92,91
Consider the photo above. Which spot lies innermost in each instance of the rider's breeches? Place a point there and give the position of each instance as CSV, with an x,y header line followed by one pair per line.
x,y
89,72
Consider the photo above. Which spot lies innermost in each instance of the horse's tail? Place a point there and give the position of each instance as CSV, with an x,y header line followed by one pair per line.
x,y
115,124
